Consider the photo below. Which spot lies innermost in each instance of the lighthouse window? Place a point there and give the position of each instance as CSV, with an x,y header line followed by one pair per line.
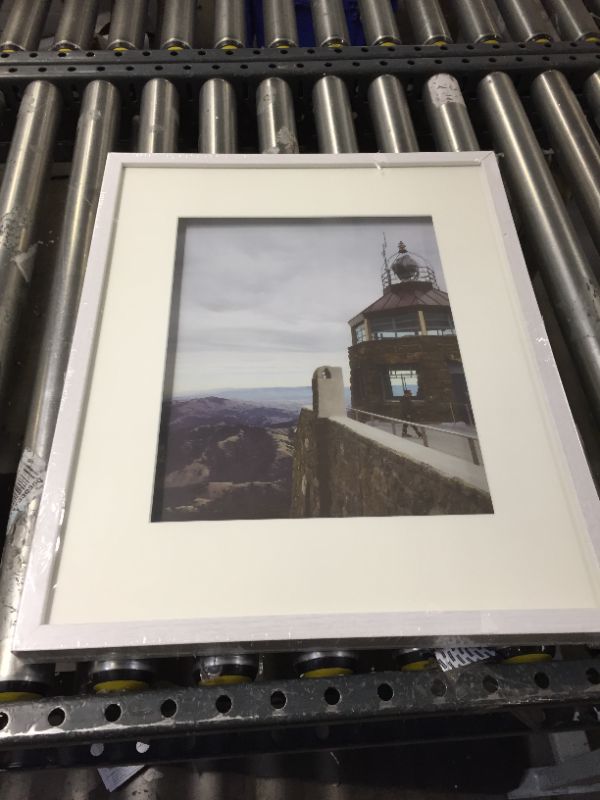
x,y
360,333
439,322
403,323
402,379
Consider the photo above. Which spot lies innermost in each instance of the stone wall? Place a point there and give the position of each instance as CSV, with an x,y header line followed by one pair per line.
x,y
429,355
338,472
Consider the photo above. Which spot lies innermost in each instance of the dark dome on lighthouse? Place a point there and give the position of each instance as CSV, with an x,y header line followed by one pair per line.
x,y
406,267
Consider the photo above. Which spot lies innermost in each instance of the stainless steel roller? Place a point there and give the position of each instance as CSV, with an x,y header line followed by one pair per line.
x,y
122,675
225,670
127,25
178,19
75,30
479,21
333,116
448,116
428,22
280,23
25,174
592,96
594,7
96,136
379,23
325,664
574,143
218,117
565,268
391,117
329,23
230,24
159,117
573,21
275,117
528,21
24,25
97,130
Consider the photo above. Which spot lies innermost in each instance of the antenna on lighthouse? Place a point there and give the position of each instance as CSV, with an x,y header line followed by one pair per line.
x,y
384,252
386,275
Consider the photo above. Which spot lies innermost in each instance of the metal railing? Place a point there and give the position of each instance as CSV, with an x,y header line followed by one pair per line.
x,y
461,412
460,444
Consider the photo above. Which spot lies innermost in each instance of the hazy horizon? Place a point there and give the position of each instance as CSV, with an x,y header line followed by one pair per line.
x,y
266,302
222,391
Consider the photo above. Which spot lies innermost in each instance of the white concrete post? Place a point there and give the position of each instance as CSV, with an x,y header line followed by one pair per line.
x,y
328,392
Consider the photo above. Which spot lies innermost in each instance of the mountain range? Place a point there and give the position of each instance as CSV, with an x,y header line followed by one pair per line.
x,y
222,458
283,397
214,410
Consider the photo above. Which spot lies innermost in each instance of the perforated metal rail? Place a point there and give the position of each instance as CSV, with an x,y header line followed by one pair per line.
x,y
378,708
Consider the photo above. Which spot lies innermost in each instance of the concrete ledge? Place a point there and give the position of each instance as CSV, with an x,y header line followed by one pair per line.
x,y
344,468
470,474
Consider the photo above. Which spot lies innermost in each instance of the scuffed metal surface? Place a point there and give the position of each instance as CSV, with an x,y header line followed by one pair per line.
x,y
316,714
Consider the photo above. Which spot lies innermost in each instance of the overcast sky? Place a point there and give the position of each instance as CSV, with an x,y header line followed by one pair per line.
x,y
266,302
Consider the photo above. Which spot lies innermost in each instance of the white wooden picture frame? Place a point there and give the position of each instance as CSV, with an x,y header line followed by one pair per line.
x,y
104,578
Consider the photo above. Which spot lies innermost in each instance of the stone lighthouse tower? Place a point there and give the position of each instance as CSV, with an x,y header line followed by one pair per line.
x,y
406,340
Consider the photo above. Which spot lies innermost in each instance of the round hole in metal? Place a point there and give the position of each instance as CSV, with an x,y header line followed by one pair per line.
x,y
278,700
112,712
385,692
223,704
168,708
332,696
56,717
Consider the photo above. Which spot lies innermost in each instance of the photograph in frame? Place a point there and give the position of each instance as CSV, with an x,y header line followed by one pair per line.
x,y
266,311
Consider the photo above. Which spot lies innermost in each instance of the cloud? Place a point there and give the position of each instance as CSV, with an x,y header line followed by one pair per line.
x,y
264,302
